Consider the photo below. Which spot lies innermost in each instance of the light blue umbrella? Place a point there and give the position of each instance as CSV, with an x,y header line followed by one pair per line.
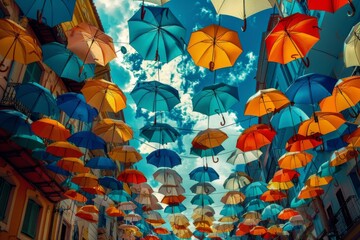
x,y
171,209
36,98
326,170
271,211
256,205
101,163
67,183
28,141
202,200
296,202
65,63
288,117
157,36
14,122
119,196
160,133
163,158
289,227
231,210
204,174
206,152
88,140
111,183
49,12
255,189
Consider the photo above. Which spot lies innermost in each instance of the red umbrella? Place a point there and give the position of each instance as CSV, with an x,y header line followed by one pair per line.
x,y
330,5
132,176
243,229
255,137
272,196
285,175
301,143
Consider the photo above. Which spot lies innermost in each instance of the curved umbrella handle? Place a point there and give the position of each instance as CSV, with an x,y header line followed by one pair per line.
x,y
39,16
213,159
353,9
223,120
306,61
167,190
244,27
3,65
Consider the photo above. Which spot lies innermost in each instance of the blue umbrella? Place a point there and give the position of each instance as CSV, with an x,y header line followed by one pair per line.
x,y
163,158
255,205
199,235
101,163
65,63
334,140
67,183
111,182
202,200
75,106
255,189
215,99
160,133
158,35
171,209
119,196
49,12
296,202
206,152
58,170
288,117
271,211
28,141
204,174
14,122
231,210
42,154
36,98
88,140
289,227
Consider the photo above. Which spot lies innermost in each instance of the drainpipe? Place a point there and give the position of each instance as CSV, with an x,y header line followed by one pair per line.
x,y
319,206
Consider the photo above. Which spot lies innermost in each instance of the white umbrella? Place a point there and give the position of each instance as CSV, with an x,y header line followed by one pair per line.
x,y
352,47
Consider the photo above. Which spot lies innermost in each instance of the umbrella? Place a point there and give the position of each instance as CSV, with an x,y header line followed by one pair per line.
x,y
125,154
64,149
231,210
214,47
57,170
163,158
301,143
290,116
285,175
14,122
202,200
142,189
75,106
72,164
160,133
255,137
255,189
289,227
321,122
292,38
132,176
151,237
273,196
271,211
89,209
70,185
167,176
17,44
326,169
133,217
111,183
297,220
65,63
215,99
258,230
317,181
113,131
296,202
202,188
101,163
175,209
90,44
86,180
119,196
354,138
343,155
243,229
98,190
287,213
351,48
161,231
88,140
207,152
331,6
173,200
50,129
204,174
36,98
310,192
256,205
241,10
292,160
103,200
275,230
114,212
73,195
237,180
158,35
127,206
280,185
103,95
209,138
28,141
240,157
251,218
233,197
169,190
266,101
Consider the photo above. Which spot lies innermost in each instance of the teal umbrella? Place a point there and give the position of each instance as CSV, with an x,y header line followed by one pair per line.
x,y
206,152
204,174
202,200
67,183
158,35
215,99
255,189
288,117
296,202
326,170
28,141
271,211
256,205
42,154
119,196
231,210
160,133
14,122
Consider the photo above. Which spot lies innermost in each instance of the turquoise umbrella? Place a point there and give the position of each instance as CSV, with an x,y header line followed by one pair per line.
x,y
204,174
256,205
206,152
202,200
288,117
119,196
326,170
67,183
14,122
231,210
28,141
65,63
271,211
160,133
36,98
215,99
171,209
49,12
42,154
157,36
296,202
255,189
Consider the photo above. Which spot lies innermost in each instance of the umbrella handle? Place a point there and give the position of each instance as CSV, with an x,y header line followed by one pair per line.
x,y
244,27
3,65
304,60
206,166
39,16
213,159
211,66
223,120
353,9
142,12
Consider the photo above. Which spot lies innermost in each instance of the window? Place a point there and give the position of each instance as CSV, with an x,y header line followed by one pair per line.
x,y
33,73
31,219
5,191
355,181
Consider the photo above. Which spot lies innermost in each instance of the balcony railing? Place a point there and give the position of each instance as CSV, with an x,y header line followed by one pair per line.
x,y
9,99
347,216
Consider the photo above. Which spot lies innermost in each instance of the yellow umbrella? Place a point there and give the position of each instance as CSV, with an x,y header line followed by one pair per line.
x,y
292,160
183,233
310,192
85,180
266,101
275,230
317,181
72,164
280,185
50,129
227,219
125,154
214,47
64,149
321,122
103,95
223,228
17,44
113,131
344,155
233,197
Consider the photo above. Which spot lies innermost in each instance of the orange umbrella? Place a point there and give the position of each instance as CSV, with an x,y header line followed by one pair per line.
x,y
114,212
233,197
125,154
50,129
275,230
343,155
214,47
64,149
89,209
255,137
287,213
310,192
173,200
103,95
354,138
98,190
266,101
113,131
132,176
90,217
272,196
317,181
301,143
72,164
161,230
204,229
90,44
321,122
17,44
292,160
258,230
151,237
73,195
285,175
243,229
292,38
85,180
209,138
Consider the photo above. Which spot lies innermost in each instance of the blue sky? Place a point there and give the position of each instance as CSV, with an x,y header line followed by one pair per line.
x,y
184,75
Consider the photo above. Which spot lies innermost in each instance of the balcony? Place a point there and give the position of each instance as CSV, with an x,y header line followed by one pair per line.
x,y
9,101
347,216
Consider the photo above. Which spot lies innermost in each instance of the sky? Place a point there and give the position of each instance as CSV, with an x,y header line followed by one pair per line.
x,y
182,74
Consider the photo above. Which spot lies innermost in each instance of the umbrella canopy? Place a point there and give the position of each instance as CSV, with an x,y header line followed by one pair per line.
x,y
169,190
310,192
167,176
171,200
36,98
330,6
114,212
287,213
65,63
354,138
14,122
288,117
90,44
207,152
88,140
265,101
301,143
255,189
292,160
142,189
231,210
326,170
317,181
352,47
343,155
292,38
204,174
57,170
17,44
119,196
111,183
240,157
256,205
74,195
131,176
75,106
233,197
258,231
202,200
113,131
50,129
214,47
255,137
103,95
171,209
163,158
285,175
271,211
280,185
125,154
89,208
72,165
101,163
243,229
89,217
156,34
202,188
127,206
209,138
28,141
160,133
64,149
86,180
273,196
321,122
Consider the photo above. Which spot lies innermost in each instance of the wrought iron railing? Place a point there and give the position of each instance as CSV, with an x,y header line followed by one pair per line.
x,y
9,99
347,216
